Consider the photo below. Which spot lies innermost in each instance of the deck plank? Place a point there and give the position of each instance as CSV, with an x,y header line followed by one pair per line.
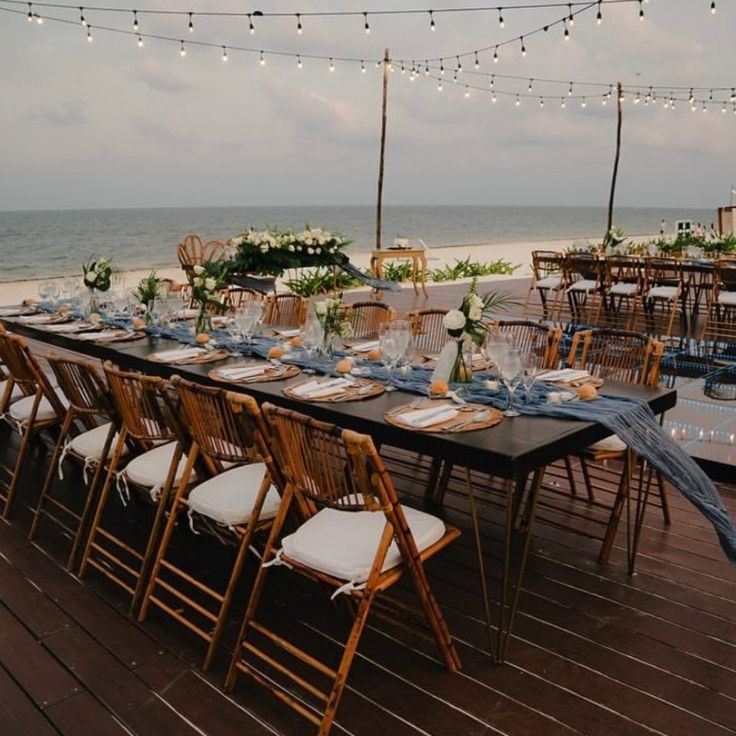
x,y
18,714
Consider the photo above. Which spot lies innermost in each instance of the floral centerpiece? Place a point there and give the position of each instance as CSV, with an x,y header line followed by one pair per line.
x,y
272,252
331,317
147,291
208,280
468,328
97,276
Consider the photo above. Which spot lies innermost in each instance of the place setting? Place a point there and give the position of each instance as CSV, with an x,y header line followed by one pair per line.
x,y
255,372
423,415
189,356
344,388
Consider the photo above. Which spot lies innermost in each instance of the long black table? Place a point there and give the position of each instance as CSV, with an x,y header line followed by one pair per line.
x,y
512,450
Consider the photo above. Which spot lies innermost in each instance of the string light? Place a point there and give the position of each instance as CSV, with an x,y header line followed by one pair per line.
x,y
81,17
262,59
224,53
523,47
733,95
495,55
583,103
140,42
251,27
562,103
332,64
182,50
501,22
541,102
135,20
713,7
29,17
442,66
432,24
566,34
362,66
599,14
299,28
299,64
89,34
366,27
439,85
459,66
467,91
191,24
641,10
570,17
531,84
476,63
517,102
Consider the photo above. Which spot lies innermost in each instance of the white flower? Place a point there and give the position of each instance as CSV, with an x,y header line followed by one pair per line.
x,y
197,282
89,279
476,301
210,284
475,312
198,270
454,320
291,248
310,251
264,248
318,250
320,308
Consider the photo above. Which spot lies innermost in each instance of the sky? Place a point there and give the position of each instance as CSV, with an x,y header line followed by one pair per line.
x,y
108,124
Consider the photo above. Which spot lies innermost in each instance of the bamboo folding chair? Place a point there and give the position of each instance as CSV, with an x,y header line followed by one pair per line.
x,y
720,321
354,538
9,392
89,401
623,281
237,297
547,283
663,295
583,286
226,430
430,335
40,407
146,422
285,310
367,318
625,357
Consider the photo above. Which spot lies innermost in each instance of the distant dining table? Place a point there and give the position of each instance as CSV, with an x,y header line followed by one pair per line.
x,y
515,450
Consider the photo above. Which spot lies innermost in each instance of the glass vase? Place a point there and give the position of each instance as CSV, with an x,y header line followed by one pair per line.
x,y
203,324
462,368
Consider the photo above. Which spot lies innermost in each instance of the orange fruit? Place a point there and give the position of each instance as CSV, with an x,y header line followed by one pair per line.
x,y
202,338
587,392
296,342
438,387
276,352
63,310
94,317
344,366
138,322
374,354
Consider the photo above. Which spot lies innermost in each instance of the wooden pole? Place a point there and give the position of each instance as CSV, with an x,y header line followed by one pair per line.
x,y
620,108
379,203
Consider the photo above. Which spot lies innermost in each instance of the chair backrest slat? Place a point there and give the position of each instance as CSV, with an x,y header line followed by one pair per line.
x,y
430,335
82,385
285,310
541,342
367,318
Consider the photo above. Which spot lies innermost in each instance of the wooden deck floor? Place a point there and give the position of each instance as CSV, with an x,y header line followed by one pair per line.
x,y
594,652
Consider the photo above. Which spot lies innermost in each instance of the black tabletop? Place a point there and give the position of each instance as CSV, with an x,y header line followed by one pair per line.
x,y
511,449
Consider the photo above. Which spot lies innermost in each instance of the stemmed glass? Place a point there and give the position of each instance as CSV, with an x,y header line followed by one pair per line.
x,y
48,291
529,372
246,321
311,340
393,346
510,369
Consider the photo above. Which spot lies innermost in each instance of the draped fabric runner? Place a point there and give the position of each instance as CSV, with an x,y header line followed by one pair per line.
x,y
631,419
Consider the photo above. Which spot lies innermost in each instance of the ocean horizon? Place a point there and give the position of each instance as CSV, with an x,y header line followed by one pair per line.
x,y
45,243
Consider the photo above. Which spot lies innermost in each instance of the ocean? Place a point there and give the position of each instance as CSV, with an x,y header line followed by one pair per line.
x,y
44,243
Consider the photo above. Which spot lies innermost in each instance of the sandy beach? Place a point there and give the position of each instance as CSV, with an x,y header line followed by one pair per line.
x,y
13,292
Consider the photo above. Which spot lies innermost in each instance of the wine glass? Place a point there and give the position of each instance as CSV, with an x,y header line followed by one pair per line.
x,y
529,372
510,368
393,347
495,347
246,321
311,340
47,290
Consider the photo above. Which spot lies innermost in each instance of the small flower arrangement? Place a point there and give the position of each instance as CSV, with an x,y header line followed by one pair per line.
x,y
330,314
147,291
208,280
271,252
97,273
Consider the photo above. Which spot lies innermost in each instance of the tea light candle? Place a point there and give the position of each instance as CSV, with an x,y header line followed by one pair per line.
x,y
491,385
554,397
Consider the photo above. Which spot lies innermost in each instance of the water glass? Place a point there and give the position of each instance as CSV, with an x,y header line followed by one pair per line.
x,y
311,341
529,372
393,348
510,369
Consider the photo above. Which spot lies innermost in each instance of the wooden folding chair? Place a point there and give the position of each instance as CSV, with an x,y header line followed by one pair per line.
x,y
623,281
285,310
40,407
89,401
355,538
430,335
583,286
547,284
625,357
720,321
662,296
235,503
149,425
367,318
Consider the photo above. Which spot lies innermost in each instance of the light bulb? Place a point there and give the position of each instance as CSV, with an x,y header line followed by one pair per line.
x,y
81,17
140,42
531,84
713,7
459,67
641,11
569,90
476,63
432,24
89,34
583,103
541,102
523,47
299,64
566,34
366,27
182,50
39,19
262,59
501,22
517,102
562,103
191,25
467,91
251,27
570,17
135,20
439,86
29,17
495,55
493,97
332,65
224,54
362,67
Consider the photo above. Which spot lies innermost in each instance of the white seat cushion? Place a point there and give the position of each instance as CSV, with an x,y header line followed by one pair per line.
x,y
623,288
151,468
728,298
584,285
344,543
662,292
16,393
609,444
90,444
551,282
21,410
228,498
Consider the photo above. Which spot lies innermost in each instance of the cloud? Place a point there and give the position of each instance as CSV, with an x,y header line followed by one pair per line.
x,y
65,114
160,80
159,132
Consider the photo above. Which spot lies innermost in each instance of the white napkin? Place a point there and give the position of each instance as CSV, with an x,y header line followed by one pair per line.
x,y
428,417
317,390
66,327
37,319
11,311
235,374
287,332
364,347
565,374
101,336
187,313
179,354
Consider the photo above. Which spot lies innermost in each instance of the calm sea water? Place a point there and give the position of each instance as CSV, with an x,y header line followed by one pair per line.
x,y
50,243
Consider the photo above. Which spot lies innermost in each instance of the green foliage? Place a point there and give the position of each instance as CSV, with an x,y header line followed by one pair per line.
x,y
320,281
613,238
148,289
97,273
471,269
397,270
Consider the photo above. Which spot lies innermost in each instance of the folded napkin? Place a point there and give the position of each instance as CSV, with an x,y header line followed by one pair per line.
x,y
317,390
11,311
428,417
179,354
101,336
187,313
565,374
364,347
234,374
37,319
66,327
287,331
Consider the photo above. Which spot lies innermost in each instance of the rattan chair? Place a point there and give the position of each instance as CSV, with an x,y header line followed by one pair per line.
x,y
226,430
720,322
38,407
149,424
430,335
285,310
547,284
539,341
89,401
625,357
367,318
354,538
237,297
193,252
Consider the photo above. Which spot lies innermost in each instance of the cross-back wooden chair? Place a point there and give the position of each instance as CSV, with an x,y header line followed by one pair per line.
x,y
367,318
226,430
237,297
39,408
150,426
583,286
623,280
625,357
89,402
720,322
663,295
430,335
547,284
354,538
539,341
285,310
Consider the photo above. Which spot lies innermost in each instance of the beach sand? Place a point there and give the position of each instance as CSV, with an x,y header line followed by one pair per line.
x,y
13,292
